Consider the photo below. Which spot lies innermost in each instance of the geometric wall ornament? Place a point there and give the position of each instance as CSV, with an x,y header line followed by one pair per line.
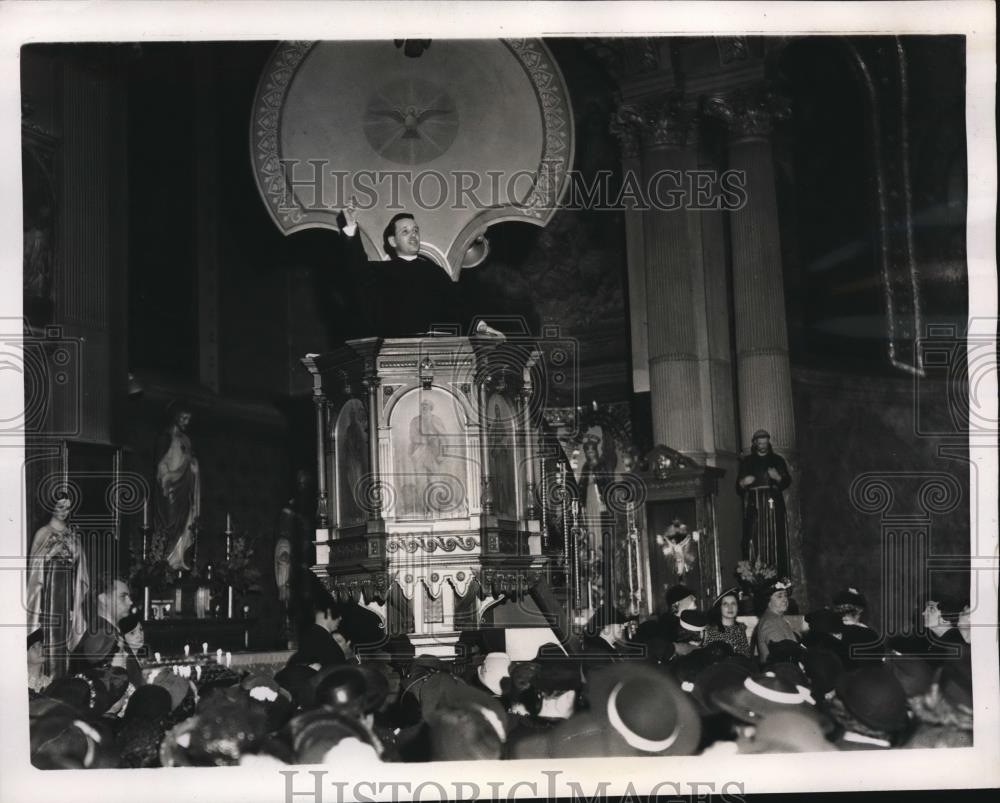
x,y
467,134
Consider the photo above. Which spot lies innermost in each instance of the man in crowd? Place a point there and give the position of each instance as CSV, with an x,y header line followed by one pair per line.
x,y
114,635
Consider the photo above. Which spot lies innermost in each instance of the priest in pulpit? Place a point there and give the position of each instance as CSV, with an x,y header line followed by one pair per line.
x,y
405,295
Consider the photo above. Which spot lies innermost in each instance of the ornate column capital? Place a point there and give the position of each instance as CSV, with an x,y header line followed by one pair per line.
x,y
749,112
671,122
626,125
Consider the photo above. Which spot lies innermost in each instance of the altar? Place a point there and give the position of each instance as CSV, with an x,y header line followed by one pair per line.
x,y
428,466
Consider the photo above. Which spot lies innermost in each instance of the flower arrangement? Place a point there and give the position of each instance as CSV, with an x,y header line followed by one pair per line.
x,y
755,577
155,573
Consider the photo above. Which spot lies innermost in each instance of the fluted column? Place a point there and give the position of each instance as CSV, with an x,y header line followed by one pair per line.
x,y
671,244
762,363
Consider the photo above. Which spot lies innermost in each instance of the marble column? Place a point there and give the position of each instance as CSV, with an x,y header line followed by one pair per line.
x,y
762,362
670,246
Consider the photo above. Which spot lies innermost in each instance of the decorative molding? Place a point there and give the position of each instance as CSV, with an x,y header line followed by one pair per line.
x,y
430,544
626,57
750,111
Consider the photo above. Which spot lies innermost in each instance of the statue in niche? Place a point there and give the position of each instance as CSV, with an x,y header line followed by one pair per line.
x,y
352,462
178,485
501,454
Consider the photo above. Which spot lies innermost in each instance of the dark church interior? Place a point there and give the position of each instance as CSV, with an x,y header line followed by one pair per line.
x,y
165,269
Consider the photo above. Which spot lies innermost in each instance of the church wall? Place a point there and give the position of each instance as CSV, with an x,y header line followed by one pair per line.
x,y
848,426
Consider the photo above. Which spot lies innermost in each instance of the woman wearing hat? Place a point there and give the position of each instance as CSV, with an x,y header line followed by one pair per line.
x,y
722,624
773,627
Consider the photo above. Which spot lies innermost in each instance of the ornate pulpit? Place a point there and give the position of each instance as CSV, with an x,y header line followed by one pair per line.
x,y
428,463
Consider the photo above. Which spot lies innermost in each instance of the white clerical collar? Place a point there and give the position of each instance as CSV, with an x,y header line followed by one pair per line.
x,y
407,257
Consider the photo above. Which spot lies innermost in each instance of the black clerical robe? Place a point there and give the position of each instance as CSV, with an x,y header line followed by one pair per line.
x,y
400,297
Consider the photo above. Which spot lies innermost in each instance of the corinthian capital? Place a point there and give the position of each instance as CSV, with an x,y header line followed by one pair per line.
x,y
673,122
627,124
749,112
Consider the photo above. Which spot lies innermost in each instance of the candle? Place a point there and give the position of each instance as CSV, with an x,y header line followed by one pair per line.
x,y
246,611
204,647
229,523
156,656
197,672
145,513
187,650
229,603
145,602
229,659
218,656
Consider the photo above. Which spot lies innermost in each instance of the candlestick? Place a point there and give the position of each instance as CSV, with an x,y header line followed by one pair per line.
x,y
229,660
204,647
187,650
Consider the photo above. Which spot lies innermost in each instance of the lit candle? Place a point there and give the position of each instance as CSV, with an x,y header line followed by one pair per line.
x,y
197,672
204,647
229,659
187,650
218,656
156,656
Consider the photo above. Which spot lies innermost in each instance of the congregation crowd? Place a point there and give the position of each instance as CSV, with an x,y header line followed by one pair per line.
x,y
685,683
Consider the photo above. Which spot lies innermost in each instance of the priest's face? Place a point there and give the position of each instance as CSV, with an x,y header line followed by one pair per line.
x,y
406,237
761,444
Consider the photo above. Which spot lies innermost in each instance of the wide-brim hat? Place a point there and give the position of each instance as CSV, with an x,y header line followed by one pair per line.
x,y
760,696
713,678
850,598
643,711
313,734
733,591
875,698
350,686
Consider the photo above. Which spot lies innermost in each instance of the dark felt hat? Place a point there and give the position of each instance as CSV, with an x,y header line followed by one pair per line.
x,y
148,702
296,679
60,739
644,711
823,668
715,677
732,591
760,696
875,698
850,598
824,620
678,592
350,687
915,675
313,734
